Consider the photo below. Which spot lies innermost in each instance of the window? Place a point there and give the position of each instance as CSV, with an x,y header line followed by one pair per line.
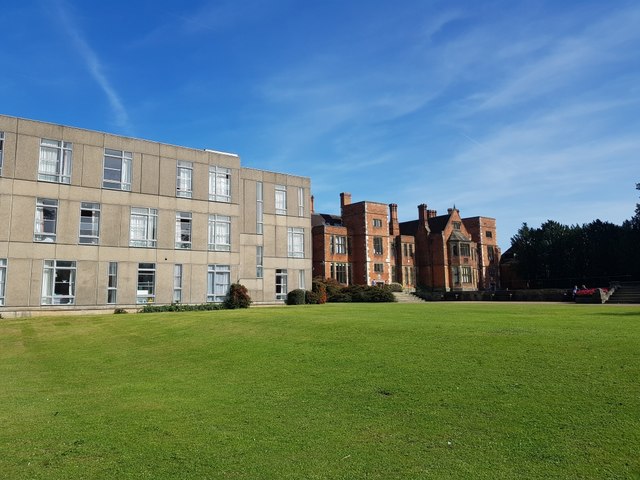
x,y
465,250
3,279
454,249
58,283
1,150
281,284
411,250
377,246
219,184
117,169
456,275
143,228
491,253
338,244
377,223
112,282
183,230
55,161
281,200
296,242
302,284
378,267
89,223
184,179
340,272
219,279
489,234
457,225
220,233
146,292
405,249
177,283
46,219
300,202
259,261
466,274
259,208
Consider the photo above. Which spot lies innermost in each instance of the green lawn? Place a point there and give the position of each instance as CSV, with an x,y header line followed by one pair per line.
x,y
378,391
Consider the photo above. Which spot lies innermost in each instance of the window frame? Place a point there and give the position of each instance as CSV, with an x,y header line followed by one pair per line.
x,y
112,283
259,208
214,272
301,201
378,247
295,242
183,219
259,261
184,179
94,237
3,280
216,232
146,269
281,283
377,223
50,282
378,268
40,232
466,275
125,169
281,199
177,283
1,151
63,152
150,237
219,192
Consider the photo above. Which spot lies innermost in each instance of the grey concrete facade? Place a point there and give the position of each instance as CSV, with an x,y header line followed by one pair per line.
x,y
129,205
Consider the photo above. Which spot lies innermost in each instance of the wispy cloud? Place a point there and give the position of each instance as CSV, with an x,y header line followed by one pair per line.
x,y
94,65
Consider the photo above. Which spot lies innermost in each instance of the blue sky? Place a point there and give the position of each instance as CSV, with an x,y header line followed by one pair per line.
x,y
522,111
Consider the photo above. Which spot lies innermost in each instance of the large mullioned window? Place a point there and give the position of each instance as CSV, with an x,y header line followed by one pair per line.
x,y
55,161
218,282
220,233
143,227
295,242
58,282
117,169
281,200
219,184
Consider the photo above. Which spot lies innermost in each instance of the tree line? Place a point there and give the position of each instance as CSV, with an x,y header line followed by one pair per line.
x,y
593,254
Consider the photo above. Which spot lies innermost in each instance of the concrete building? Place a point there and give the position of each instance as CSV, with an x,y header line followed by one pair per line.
x,y
440,252
94,221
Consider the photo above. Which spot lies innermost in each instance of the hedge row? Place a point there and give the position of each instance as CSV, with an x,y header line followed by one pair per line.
x,y
533,295
326,290
238,297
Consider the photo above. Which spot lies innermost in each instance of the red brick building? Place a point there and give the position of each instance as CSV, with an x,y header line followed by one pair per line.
x,y
365,245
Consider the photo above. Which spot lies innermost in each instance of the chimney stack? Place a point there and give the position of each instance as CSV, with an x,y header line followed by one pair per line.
x,y
345,199
394,226
312,207
432,213
423,216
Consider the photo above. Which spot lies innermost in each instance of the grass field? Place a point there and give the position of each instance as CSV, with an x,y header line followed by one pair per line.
x,y
332,391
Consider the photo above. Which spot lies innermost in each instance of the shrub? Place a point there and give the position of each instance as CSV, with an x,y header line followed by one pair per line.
x,y
238,297
395,287
119,310
296,297
181,307
319,288
311,298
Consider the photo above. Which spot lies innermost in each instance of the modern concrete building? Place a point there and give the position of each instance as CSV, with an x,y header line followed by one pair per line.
x,y
439,252
92,220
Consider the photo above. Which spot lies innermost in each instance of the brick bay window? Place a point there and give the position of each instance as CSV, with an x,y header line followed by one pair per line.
x,y
146,287
219,184
117,170
143,227
218,283
295,242
281,284
55,161
58,282
44,229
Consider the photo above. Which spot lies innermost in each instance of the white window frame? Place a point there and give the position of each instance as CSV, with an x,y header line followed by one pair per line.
x,y
377,223
219,184
44,229
177,283
146,233
465,250
302,281
55,162
3,280
123,180
54,284
259,208
281,199
184,231
339,271
295,242
91,235
184,179
281,284
220,233
218,283
300,201
339,244
112,283
1,151
148,293
259,261
466,276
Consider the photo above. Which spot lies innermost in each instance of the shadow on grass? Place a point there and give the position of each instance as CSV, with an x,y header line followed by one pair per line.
x,y
617,314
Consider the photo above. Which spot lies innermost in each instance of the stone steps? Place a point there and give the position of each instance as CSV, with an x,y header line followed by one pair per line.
x,y
626,294
403,297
